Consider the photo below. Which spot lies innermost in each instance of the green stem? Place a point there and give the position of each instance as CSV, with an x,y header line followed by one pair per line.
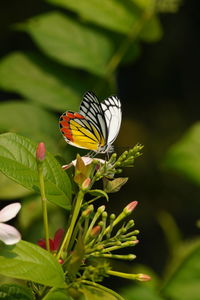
x,y
75,213
123,275
133,34
115,256
75,232
44,203
101,287
124,46
43,296
115,222
96,216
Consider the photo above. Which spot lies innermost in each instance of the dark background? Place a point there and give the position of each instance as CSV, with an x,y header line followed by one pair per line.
x,y
160,94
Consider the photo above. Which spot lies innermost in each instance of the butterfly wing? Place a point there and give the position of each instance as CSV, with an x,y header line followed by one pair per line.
x,y
80,132
113,115
96,126
91,109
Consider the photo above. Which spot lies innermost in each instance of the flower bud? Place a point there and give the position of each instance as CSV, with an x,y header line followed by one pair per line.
x,y
143,277
40,151
61,261
86,183
101,209
130,207
88,211
136,242
95,231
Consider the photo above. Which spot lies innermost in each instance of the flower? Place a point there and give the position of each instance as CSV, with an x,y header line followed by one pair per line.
x,y
55,243
9,234
86,159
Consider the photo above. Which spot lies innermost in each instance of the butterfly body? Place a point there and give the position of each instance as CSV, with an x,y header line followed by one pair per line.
x,y
95,127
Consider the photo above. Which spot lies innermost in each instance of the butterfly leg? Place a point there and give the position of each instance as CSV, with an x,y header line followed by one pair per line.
x,y
90,154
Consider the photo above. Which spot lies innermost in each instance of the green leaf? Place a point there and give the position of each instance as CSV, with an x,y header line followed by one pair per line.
x,y
184,283
30,262
95,293
132,54
59,294
30,218
77,256
184,155
71,43
10,189
144,4
17,161
14,292
140,292
113,186
116,15
152,30
41,81
98,193
170,6
30,211
30,120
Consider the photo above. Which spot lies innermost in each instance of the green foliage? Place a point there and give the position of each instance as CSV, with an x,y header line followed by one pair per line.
x,y
98,193
10,189
88,236
60,294
113,186
71,43
37,120
40,81
14,292
78,50
152,31
17,161
168,5
184,282
119,16
28,261
181,280
140,293
184,155
95,293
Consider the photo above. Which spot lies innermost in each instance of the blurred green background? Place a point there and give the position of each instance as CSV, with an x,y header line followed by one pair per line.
x,y
146,52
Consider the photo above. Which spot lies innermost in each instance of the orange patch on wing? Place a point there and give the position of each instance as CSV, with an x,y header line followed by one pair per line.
x,y
67,133
65,118
64,124
78,116
71,115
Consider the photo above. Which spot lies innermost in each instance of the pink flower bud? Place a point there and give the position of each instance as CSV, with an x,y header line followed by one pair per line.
x,y
130,207
95,231
88,211
86,183
61,261
40,152
136,242
143,277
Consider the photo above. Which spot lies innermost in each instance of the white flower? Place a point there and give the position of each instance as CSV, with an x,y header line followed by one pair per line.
x,y
86,159
9,234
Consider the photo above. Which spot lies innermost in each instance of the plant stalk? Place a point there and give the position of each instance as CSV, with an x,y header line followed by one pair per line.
x,y
74,216
44,203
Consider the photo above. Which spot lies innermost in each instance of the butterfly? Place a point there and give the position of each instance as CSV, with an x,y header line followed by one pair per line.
x,y
96,126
